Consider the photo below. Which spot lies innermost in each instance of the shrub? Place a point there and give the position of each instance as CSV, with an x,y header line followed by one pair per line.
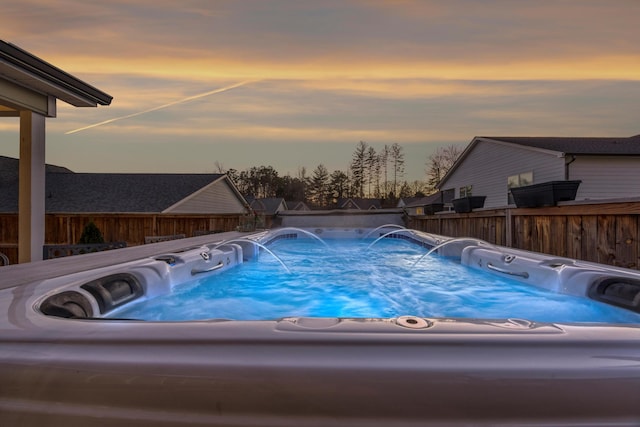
x,y
91,234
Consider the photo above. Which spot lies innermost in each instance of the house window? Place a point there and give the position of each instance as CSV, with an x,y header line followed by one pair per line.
x,y
420,211
519,180
448,195
466,191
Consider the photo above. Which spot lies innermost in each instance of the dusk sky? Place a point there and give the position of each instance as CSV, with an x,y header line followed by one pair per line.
x,y
306,80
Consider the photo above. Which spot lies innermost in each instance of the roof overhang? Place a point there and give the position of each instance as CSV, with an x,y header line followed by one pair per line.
x,y
28,82
15,98
551,152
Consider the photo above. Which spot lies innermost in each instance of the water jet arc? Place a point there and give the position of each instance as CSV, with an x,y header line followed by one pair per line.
x,y
384,226
455,240
260,245
388,234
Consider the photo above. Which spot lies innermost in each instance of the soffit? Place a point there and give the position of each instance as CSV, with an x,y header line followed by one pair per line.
x,y
29,71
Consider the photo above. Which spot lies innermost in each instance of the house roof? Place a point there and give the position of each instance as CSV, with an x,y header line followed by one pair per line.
x,y
10,165
607,146
30,71
427,200
570,145
406,201
268,205
66,191
120,192
296,205
359,203
9,182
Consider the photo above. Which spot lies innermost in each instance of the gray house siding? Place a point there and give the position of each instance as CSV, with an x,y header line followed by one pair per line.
x,y
217,197
606,177
489,163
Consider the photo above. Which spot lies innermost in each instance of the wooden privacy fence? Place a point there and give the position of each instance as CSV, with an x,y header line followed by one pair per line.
x,y
66,229
606,233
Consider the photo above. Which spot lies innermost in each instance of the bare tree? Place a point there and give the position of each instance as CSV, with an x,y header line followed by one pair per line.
x,y
358,168
405,191
384,162
377,172
370,161
418,188
397,161
304,180
219,167
439,164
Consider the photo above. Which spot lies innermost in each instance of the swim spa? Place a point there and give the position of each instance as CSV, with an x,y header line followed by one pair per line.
x,y
101,347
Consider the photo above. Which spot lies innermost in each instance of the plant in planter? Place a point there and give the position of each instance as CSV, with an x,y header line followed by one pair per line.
x,y
468,203
545,193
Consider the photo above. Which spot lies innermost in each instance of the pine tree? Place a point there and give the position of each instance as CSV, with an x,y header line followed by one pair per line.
x,y
338,186
91,234
319,186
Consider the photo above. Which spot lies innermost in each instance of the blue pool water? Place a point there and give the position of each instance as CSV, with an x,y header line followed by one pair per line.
x,y
350,279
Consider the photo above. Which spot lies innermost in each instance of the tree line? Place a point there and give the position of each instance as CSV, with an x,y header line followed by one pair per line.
x,y
371,174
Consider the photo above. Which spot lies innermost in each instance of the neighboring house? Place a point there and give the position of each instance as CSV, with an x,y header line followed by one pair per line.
x,y
69,192
406,201
359,204
427,205
297,206
608,167
267,205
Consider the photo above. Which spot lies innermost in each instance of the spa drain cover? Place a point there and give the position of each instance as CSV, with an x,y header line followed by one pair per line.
x,y
413,322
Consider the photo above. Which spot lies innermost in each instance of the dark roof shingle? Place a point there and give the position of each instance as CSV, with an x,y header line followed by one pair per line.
x,y
66,191
102,192
427,200
571,145
9,182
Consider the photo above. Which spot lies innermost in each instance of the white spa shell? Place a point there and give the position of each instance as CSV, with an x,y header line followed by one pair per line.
x,y
406,371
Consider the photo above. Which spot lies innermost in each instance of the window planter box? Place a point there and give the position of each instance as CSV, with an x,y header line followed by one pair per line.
x,y
545,193
467,204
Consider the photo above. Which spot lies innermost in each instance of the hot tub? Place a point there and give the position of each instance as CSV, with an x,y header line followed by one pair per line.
x,y
69,354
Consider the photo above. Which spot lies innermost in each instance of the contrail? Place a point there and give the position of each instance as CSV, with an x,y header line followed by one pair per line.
x,y
181,101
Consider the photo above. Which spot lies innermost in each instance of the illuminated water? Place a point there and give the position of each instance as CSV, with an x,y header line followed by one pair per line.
x,y
348,279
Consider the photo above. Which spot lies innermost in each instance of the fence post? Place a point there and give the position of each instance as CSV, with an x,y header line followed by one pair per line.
x,y
508,228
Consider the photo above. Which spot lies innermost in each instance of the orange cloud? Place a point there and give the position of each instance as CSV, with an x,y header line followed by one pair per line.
x,y
203,69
